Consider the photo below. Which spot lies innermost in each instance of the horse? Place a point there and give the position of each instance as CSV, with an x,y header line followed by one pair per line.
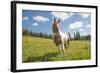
x,y
61,39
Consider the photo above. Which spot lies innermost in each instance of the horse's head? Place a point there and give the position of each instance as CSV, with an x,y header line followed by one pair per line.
x,y
56,25
56,21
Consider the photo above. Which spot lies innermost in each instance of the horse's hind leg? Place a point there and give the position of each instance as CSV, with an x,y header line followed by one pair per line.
x,y
65,46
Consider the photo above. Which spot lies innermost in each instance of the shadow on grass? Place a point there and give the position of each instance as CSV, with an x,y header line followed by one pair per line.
x,y
44,58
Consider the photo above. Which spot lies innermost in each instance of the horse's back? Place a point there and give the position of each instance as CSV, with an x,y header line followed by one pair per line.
x,y
66,36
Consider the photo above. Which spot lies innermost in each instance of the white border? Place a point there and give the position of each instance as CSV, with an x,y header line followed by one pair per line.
x,y
21,65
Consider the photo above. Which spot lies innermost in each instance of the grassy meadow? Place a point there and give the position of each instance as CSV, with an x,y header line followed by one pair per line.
x,y
37,49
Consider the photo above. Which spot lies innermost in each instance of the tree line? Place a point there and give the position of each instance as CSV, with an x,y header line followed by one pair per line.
x,y
77,35
36,34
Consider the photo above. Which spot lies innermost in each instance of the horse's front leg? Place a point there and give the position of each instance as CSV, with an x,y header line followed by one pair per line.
x,y
60,49
63,48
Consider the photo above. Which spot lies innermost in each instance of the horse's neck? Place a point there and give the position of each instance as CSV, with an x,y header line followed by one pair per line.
x,y
56,29
59,31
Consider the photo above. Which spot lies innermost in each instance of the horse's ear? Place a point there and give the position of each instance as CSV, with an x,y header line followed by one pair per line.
x,y
59,21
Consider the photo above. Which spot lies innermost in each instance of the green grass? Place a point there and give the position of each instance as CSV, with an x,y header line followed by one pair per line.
x,y
37,49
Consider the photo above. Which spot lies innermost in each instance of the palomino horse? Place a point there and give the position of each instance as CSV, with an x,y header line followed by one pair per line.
x,y
60,38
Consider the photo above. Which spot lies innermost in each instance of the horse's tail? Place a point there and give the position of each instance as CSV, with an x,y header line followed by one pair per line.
x,y
68,35
68,42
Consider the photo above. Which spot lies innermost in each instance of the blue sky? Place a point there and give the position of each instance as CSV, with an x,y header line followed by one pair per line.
x,y
41,21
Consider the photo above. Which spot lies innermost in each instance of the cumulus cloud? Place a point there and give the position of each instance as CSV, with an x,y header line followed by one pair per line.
x,y
88,25
81,30
84,33
35,24
71,14
85,15
76,25
25,18
40,19
62,15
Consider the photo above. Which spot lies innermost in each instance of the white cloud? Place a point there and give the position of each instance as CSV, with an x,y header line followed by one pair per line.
x,y
71,14
76,25
84,33
62,15
88,25
41,19
81,30
85,15
35,24
25,18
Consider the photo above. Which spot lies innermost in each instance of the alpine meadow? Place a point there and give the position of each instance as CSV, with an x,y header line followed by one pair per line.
x,y
36,49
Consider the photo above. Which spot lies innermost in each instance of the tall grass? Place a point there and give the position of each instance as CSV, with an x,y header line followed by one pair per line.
x,y
37,49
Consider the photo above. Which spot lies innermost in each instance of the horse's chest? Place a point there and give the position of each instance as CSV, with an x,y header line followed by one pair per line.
x,y
57,40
